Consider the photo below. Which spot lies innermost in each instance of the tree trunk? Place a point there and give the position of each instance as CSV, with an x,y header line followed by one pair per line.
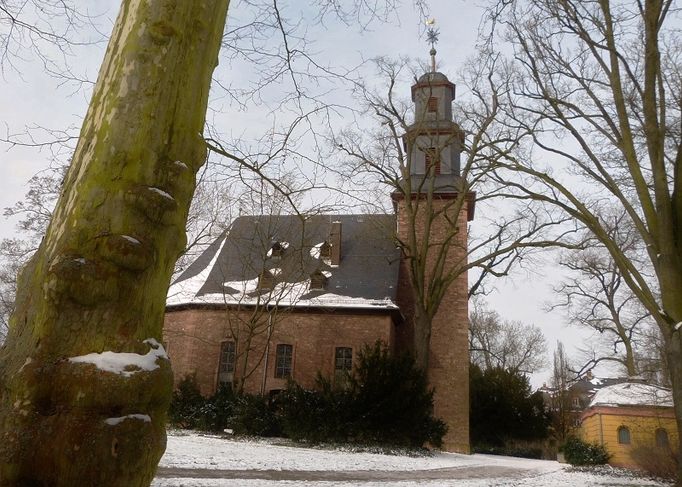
x,y
422,338
86,383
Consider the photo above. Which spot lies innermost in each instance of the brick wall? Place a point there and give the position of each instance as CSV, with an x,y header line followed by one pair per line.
x,y
193,338
448,370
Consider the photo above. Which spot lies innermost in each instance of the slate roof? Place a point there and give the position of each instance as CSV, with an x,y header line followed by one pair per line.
x,y
228,271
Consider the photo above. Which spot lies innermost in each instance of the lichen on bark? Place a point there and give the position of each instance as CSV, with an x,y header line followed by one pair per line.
x,y
99,279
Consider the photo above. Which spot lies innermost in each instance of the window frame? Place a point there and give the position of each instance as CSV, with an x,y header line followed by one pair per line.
x,y
624,436
432,104
227,366
284,359
432,159
345,361
662,438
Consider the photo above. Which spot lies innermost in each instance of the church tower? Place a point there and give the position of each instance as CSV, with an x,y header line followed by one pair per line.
x,y
433,204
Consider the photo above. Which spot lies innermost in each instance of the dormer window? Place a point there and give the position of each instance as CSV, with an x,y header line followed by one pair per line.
x,y
276,251
325,251
432,105
318,281
266,280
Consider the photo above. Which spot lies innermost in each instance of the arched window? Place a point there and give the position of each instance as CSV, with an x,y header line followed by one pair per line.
x,y
662,438
624,435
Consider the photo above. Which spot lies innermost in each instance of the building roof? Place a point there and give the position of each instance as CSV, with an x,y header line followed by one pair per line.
x,y
632,394
228,272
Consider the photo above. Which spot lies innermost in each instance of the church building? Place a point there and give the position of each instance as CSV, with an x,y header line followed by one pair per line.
x,y
288,296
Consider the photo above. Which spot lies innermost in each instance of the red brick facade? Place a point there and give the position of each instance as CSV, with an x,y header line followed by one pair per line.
x,y
194,336
448,369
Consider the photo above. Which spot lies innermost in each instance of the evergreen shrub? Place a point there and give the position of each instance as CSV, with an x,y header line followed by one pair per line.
x,y
385,401
186,404
578,452
255,415
217,411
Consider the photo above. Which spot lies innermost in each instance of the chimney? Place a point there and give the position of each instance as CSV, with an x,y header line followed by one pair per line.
x,y
335,241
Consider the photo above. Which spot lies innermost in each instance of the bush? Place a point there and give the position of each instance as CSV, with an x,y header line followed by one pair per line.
x,y
254,415
216,412
186,404
391,400
315,415
503,408
385,401
577,452
657,461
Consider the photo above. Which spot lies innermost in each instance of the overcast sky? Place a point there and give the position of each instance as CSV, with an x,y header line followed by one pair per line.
x,y
29,97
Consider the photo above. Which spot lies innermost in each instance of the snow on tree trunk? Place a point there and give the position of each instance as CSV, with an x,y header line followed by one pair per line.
x,y
86,383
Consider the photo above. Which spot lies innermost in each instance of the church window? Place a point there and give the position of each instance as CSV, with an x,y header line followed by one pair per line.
x,y
624,435
343,364
432,104
227,356
662,438
283,361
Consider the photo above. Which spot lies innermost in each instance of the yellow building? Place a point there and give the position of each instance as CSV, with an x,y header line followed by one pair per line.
x,y
631,420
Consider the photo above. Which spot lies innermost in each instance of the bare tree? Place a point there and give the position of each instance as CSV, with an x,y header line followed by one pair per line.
x,y
560,397
386,156
596,89
510,345
596,297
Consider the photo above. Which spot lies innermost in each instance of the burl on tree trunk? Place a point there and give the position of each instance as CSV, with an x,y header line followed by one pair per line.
x,y
85,381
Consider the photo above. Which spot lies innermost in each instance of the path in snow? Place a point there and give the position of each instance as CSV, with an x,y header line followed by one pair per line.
x,y
195,460
493,472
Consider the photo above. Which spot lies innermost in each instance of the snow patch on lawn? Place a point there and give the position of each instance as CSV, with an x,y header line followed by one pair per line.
x,y
195,451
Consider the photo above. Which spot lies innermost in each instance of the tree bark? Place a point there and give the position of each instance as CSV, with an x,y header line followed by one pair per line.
x,y
85,381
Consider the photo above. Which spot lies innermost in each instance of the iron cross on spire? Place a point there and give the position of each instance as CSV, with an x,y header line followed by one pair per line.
x,y
432,34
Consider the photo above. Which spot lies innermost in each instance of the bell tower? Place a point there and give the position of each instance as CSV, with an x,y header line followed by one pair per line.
x,y
431,205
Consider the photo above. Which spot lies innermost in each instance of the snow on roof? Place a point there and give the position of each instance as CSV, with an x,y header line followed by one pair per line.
x,y
632,394
229,271
184,291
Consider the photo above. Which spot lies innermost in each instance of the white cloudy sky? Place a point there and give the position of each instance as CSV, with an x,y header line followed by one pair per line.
x,y
30,97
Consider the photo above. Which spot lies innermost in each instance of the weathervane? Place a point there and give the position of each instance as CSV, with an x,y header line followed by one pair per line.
x,y
432,36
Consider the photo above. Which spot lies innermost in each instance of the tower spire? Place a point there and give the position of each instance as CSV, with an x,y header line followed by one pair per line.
x,y
432,34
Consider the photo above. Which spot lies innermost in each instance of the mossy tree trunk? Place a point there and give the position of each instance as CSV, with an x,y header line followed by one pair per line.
x,y
96,287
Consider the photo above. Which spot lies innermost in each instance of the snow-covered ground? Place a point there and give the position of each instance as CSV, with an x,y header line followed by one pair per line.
x,y
192,458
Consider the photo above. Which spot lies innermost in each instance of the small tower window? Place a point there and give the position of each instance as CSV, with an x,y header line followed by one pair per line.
x,y
432,105
432,158
318,281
